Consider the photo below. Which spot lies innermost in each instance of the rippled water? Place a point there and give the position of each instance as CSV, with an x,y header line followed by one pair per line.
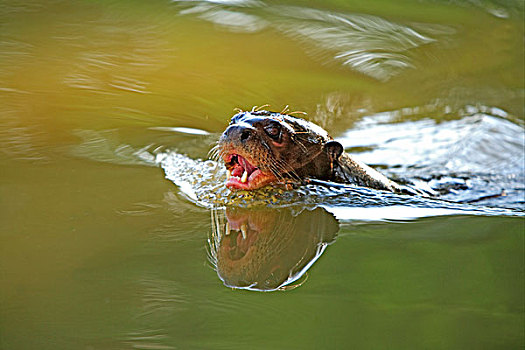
x,y
442,159
116,230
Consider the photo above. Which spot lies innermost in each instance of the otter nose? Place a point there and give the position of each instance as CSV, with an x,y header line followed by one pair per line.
x,y
239,132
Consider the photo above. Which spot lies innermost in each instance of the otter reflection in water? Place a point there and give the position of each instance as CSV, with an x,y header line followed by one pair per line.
x,y
267,249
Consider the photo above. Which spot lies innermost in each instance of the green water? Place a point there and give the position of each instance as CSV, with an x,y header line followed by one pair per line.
x,y
99,251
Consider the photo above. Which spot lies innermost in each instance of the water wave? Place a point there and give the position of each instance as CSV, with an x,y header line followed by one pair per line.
x,y
467,159
368,44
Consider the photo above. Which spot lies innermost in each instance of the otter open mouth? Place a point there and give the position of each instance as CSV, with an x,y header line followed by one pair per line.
x,y
239,237
243,175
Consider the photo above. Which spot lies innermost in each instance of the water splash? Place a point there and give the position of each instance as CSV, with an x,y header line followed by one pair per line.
x,y
477,153
466,158
203,184
449,156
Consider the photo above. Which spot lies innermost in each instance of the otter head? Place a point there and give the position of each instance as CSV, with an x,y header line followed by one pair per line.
x,y
262,147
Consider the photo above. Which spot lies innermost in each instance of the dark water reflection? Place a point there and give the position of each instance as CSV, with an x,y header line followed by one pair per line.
x,y
267,249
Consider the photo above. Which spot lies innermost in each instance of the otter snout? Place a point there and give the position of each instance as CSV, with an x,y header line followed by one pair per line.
x,y
238,133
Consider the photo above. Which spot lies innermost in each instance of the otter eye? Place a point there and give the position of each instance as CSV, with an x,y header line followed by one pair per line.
x,y
273,131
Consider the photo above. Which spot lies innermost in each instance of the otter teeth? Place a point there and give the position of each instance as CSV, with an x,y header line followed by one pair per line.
x,y
228,174
244,176
244,231
227,230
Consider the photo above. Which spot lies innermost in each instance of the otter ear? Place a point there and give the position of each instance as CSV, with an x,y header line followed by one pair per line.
x,y
334,149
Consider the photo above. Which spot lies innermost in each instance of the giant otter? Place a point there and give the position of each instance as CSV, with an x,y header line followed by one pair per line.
x,y
262,147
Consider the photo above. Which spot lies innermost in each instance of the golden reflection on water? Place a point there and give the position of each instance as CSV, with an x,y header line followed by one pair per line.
x,y
95,65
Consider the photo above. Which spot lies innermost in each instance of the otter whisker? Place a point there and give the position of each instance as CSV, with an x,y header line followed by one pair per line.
x,y
213,150
216,157
276,173
308,139
287,169
297,112
279,175
303,147
257,109
214,153
276,168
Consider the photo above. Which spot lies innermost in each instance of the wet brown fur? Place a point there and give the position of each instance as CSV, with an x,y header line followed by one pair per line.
x,y
304,151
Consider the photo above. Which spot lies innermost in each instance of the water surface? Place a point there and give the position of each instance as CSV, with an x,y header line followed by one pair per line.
x,y
117,233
